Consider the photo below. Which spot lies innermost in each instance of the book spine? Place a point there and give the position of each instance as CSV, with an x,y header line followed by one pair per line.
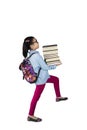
x,y
48,56
50,48
50,52
53,59
54,63
50,45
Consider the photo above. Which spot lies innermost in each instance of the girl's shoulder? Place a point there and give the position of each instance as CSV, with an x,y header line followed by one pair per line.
x,y
37,54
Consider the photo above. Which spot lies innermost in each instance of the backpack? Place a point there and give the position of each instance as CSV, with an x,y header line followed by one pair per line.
x,y
28,72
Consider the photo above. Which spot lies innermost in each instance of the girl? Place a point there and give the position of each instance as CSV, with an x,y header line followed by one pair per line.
x,y
29,46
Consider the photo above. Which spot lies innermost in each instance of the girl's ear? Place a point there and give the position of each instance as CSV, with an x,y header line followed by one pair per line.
x,y
32,46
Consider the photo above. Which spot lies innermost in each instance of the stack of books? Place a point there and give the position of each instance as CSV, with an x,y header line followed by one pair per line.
x,y
50,53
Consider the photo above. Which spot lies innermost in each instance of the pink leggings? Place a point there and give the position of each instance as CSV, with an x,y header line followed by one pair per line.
x,y
39,89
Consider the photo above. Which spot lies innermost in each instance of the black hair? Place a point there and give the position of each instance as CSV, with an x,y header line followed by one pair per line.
x,y
26,45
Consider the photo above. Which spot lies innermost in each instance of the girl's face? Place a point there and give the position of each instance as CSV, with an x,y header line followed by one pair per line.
x,y
35,44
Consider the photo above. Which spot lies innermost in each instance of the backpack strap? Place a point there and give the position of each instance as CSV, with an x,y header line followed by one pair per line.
x,y
40,68
31,55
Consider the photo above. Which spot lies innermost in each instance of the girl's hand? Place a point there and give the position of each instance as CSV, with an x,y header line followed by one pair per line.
x,y
58,64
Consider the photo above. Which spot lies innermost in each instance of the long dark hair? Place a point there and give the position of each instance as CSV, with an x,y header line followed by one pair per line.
x,y
26,45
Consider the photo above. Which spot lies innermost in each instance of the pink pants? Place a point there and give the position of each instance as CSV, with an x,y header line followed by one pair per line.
x,y
39,89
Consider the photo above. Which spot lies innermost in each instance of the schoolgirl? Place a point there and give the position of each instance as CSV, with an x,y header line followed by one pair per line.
x,y
30,45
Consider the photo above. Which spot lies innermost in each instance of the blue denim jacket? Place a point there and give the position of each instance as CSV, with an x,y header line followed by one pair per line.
x,y
37,63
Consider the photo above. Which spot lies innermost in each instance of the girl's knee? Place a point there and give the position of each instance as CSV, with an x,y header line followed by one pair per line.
x,y
55,79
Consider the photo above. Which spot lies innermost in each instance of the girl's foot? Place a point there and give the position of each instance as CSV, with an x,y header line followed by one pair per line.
x,y
33,118
61,99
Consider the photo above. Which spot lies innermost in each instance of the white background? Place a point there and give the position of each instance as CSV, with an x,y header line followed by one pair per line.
x,y
62,22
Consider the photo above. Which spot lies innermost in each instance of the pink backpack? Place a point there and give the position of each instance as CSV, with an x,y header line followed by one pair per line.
x,y
28,72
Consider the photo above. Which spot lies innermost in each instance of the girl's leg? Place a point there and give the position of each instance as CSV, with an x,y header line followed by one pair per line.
x,y
55,81
39,89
